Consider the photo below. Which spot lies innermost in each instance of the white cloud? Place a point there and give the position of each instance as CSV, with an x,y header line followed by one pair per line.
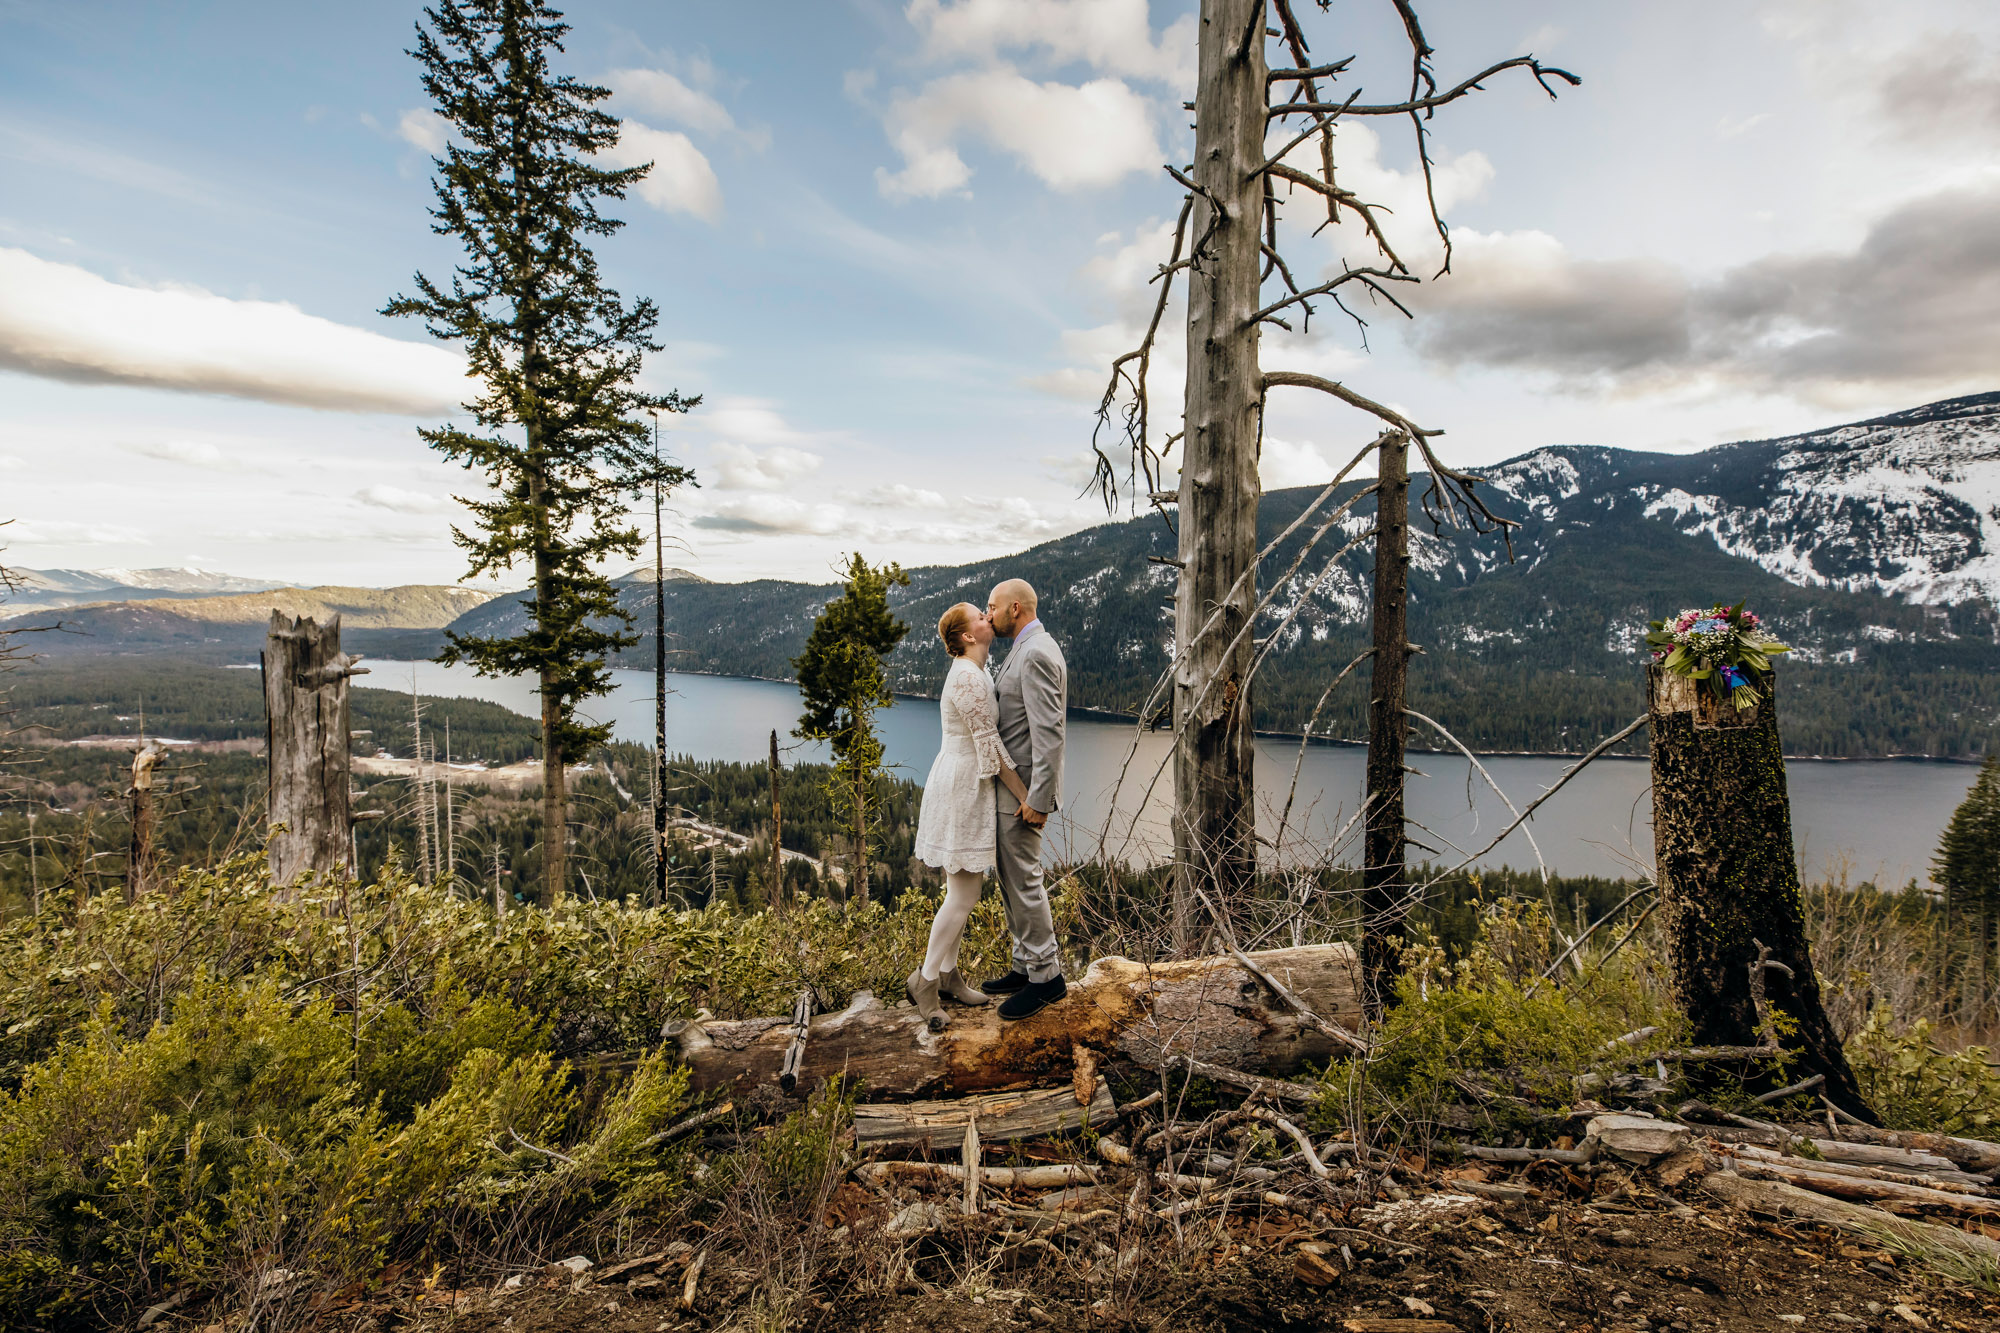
x,y
1293,463
1114,36
63,532
66,323
421,127
774,514
401,501
746,421
195,453
739,468
681,180
658,92
899,496
1071,138
12,463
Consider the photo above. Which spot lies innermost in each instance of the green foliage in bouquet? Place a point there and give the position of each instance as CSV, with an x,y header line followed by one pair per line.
x,y
1724,649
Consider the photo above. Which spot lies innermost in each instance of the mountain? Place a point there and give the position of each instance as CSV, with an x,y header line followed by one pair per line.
x,y
1869,547
43,589
1905,505
233,624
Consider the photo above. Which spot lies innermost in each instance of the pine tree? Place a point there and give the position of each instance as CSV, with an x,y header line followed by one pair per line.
x,y
557,354
1967,864
843,680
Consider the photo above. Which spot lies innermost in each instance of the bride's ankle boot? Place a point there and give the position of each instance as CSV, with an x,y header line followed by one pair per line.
x,y
924,994
952,986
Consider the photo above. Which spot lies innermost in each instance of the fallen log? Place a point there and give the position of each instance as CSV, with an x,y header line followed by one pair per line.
x,y
1844,1186
1212,1010
1777,1199
1974,1155
1962,1185
1002,1116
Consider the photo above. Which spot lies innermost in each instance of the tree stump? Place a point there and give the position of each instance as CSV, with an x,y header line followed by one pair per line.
x,y
1210,1009
306,742
1729,880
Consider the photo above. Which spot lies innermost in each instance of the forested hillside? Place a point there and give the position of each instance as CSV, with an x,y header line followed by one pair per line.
x,y
1541,651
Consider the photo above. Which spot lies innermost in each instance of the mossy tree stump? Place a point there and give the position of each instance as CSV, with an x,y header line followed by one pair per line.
x,y
1729,881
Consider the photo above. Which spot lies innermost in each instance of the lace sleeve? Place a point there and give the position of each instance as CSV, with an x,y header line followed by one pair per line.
x,y
972,694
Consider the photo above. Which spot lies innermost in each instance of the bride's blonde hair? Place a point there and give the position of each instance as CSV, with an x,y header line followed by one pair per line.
x,y
953,624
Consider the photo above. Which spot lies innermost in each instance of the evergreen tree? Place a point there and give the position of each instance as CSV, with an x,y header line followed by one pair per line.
x,y
562,439
842,678
1967,864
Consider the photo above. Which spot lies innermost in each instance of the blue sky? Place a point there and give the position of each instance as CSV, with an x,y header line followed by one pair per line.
x,y
896,244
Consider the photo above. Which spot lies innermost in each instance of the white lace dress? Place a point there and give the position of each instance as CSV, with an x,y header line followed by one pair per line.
x,y
955,827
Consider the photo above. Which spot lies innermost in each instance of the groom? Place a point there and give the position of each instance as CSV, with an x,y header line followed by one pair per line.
x,y
1033,690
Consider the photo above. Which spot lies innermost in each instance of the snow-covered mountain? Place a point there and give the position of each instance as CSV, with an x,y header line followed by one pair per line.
x,y
1906,505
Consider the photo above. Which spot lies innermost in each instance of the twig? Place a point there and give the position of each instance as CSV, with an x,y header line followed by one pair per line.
x,y
1535,804
693,1122
1473,759
1298,1136
1779,1094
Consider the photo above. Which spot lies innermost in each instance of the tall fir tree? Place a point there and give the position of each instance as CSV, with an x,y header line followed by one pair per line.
x,y
843,680
562,438
1967,864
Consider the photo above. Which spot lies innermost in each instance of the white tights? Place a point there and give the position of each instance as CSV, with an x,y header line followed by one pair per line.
x,y
961,895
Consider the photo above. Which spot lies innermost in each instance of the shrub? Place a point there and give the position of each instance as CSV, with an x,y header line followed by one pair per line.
x,y
1914,1084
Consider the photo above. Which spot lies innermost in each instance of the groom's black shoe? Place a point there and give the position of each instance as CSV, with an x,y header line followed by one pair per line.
x,y
1006,985
1034,997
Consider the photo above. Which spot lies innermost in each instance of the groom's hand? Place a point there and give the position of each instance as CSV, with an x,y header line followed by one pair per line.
x,y
1030,816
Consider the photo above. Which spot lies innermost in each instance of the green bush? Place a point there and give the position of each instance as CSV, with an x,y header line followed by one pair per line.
x,y
1914,1084
1484,1036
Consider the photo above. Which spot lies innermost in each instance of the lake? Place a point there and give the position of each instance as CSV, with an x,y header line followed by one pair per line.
x,y
1875,819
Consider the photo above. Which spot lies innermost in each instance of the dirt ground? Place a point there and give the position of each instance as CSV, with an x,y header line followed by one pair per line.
x,y
1641,1261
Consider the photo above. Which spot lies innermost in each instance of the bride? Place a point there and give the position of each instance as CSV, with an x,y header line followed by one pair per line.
x,y
957,823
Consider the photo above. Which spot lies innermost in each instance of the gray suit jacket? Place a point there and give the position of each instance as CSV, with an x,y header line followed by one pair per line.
x,y
1034,703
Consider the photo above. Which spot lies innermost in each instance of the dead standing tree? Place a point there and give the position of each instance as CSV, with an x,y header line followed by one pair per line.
x,y
1228,242
306,743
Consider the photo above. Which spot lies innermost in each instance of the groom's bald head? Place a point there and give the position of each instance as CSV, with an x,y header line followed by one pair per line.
x,y
1011,606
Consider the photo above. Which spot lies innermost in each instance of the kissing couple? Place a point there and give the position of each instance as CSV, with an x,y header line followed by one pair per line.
x,y
992,788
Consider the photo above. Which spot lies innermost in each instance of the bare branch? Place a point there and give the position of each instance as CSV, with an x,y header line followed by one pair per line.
x,y
1542,73
1535,804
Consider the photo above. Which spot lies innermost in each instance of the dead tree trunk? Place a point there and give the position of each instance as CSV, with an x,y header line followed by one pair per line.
x,y
1729,881
306,741
1210,1009
777,894
1214,821
139,857
1384,890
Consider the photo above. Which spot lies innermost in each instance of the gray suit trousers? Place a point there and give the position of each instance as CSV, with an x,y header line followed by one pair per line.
x,y
1018,852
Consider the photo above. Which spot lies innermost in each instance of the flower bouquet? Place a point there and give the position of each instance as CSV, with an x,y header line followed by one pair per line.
x,y
1723,648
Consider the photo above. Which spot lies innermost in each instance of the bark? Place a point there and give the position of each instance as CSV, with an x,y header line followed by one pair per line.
x,y
1729,880
777,894
1214,833
1000,1115
1384,887
305,705
1209,1009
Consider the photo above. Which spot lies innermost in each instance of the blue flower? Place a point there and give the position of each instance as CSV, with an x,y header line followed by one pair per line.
x,y
1709,626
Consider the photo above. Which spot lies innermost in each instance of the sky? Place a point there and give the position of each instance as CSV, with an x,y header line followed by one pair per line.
x,y
895,246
